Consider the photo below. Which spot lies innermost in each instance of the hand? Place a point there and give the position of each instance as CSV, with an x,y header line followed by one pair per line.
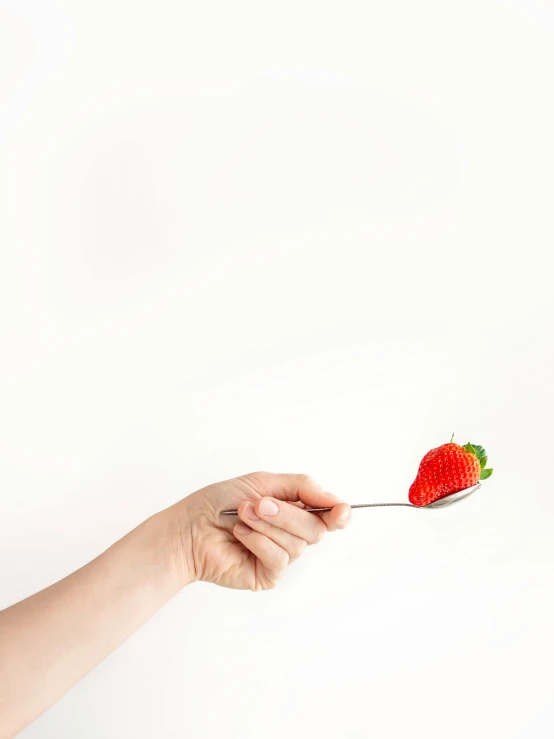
x,y
272,529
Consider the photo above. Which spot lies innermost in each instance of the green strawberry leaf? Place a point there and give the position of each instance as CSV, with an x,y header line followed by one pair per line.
x,y
479,452
481,455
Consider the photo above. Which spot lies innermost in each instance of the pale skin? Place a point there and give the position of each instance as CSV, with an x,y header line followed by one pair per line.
x,y
53,638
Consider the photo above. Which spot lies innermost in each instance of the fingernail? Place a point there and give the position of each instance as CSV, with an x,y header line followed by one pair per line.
x,y
250,512
268,507
330,496
242,529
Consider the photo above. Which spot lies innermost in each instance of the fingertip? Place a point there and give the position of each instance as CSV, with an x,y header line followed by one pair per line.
x,y
241,529
342,513
241,508
247,511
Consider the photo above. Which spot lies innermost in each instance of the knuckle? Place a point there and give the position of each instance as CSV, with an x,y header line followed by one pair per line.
x,y
299,548
318,536
282,559
307,481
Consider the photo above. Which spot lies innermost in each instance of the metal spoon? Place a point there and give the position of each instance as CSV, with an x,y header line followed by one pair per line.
x,y
441,503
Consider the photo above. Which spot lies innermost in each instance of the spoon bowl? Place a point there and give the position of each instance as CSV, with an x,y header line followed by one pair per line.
x,y
453,497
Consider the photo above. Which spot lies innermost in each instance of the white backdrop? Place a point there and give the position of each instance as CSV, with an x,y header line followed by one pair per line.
x,y
294,236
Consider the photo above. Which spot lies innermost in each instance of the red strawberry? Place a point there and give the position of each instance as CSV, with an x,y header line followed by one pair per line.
x,y
448,469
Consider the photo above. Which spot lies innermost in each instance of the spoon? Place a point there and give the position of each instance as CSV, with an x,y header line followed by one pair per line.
x,y
441,503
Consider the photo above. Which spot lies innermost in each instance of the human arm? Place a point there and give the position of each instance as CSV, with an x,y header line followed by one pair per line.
x,y
53,638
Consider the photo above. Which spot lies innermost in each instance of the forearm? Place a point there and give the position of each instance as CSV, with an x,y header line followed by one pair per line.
x,y
50,640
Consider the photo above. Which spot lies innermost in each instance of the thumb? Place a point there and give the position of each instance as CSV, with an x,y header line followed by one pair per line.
x,y
294,488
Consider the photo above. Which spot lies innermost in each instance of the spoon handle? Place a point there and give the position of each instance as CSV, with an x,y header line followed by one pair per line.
x,y
322,510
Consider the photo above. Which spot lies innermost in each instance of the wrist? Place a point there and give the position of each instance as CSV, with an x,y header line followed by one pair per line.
x,y
178,545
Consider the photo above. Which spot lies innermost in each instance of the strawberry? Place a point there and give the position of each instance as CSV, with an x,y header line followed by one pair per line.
x,y
446,470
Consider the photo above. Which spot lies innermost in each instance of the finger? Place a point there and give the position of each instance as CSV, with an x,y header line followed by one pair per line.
x,y
337,518
293,545
273,557
293,488
282,515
